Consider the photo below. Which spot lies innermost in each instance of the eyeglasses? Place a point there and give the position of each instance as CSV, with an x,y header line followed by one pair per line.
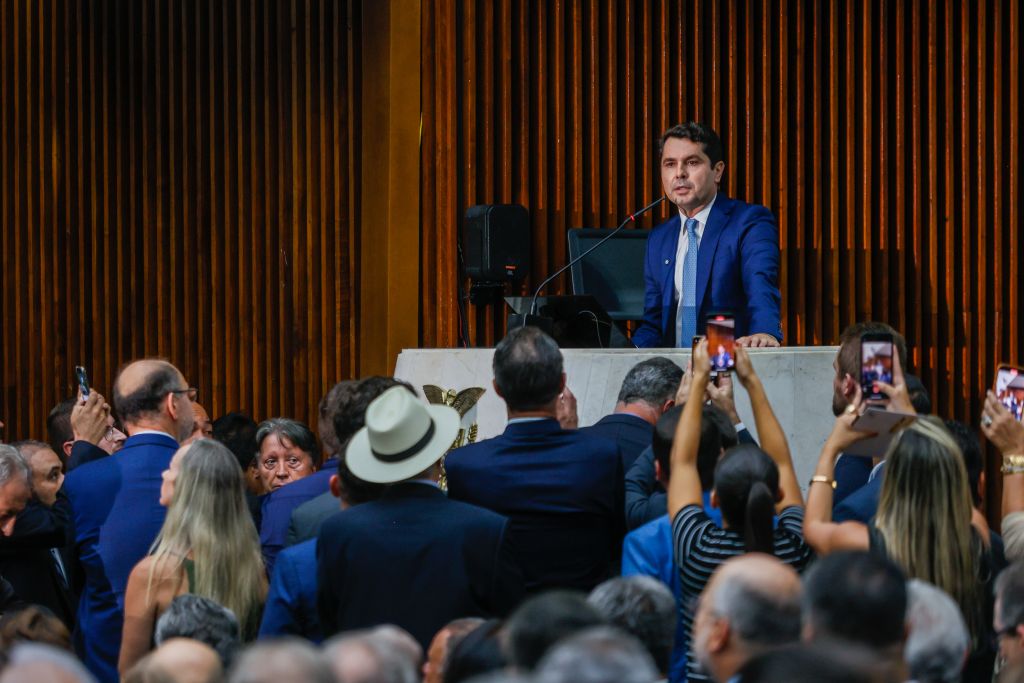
x,y
191,392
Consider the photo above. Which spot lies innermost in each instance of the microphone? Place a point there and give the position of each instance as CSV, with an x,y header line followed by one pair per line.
x,y
544,323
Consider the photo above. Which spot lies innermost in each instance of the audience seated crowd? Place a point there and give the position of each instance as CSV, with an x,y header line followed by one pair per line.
x,y
143,541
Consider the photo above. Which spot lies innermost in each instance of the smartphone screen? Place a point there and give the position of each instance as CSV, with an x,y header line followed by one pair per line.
x,y
721,331
83,381
875,363
1009,390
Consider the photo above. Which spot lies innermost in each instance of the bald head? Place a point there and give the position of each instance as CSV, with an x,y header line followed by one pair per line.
x,y
187,661
152,394
750,605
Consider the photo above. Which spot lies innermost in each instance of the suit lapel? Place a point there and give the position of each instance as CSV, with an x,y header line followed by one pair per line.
x,y
668,285
717,221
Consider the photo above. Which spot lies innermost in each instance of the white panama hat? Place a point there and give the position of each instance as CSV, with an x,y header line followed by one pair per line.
x,y
403,436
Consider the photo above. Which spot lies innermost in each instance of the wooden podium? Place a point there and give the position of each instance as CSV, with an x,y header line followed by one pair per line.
x,y
798,381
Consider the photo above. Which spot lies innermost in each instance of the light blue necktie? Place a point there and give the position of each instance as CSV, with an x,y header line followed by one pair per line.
x,y
688,295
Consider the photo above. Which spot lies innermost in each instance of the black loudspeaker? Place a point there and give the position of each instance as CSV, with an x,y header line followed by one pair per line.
x,y
496,243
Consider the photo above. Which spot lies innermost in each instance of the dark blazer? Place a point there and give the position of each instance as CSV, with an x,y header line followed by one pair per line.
x,y
290,609
116,512
862,504
631,433
28,562
851,472
310,516
82,453
562,491
415,559
277,508
737,270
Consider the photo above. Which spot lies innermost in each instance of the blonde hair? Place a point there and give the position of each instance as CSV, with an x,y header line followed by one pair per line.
x,y
208,519
924,515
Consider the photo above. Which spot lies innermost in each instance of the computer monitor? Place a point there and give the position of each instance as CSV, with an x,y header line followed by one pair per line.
x,y
613,273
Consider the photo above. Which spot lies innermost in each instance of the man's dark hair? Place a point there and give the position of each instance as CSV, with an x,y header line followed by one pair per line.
x,y
747,481
58,425
332,403
813,663
298,434
919,396
653,381
970,447
475,653
202,619
857,597
543,620
700,133
1009,592
348,418
237,431
716,434
849,346
642,607
160,381
527,369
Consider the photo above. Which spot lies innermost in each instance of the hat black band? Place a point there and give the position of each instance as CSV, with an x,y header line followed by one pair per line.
x,y
408,452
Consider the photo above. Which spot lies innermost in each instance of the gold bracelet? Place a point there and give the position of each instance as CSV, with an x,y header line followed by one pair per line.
x,y
822,479
1013,464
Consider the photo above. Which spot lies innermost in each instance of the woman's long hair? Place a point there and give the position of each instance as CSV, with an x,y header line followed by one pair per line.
x,y
746,482
208,519
924,516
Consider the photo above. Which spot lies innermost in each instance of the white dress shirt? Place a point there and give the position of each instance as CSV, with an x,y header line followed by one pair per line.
x,y
684,246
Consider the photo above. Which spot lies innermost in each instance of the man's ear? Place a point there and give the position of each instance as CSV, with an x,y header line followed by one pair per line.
x,y
334,483
562,388
719,637
849,386
172,408
667,406
66,447
778,496
719,169
714,499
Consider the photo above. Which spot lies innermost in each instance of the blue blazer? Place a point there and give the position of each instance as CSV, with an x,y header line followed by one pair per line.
x,y
116,512
737,270
415,559
632,434
562,491
277,507
291,601
862,504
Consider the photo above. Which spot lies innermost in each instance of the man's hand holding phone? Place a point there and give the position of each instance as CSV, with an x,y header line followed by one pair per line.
x,y
90,418
896,393
1000,427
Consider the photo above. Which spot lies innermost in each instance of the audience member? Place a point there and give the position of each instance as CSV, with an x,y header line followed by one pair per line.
x,y
970,449
414,557
178,660
115,503
751,605
645,609
15,492
440,646
918,393
83,430
34,662
562,490
1008,619
207,546
33,624
198,618
937,642
282,660
202,426
858,598
368,657
815,663
751,485
30,557
924,521
543,620
1006,433
648,390
476,654
237,431
597,655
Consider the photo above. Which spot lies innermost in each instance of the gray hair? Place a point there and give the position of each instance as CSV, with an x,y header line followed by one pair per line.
x,y
652,381
36,655
202,619
938,642
757,617
294,431
598,655
12,465
644,608
376,656
281,660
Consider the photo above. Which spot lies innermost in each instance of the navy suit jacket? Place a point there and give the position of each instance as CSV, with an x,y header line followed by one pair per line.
x,y
737,270
290,609
310,516
862,504
632,434
277,508
116,512
415,559
562,491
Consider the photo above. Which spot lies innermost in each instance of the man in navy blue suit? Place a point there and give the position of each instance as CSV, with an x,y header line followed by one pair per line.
x,y
648,390
413,557
717,254
562,489
115,502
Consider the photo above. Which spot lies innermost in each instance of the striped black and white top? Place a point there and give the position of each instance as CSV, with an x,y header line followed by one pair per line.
x,y
699,547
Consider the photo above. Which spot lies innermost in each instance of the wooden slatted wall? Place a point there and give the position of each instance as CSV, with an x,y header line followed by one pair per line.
x,y
176,181
885,137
